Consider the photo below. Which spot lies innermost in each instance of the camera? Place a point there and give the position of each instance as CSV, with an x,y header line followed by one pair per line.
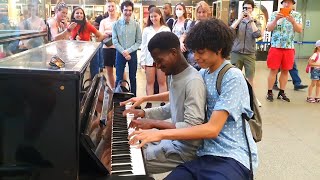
x,y
244,10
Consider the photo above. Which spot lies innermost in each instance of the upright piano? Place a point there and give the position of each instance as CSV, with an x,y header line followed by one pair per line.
x,y
53,126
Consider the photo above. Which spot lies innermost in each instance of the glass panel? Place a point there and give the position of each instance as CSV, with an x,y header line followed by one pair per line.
x,y
75,54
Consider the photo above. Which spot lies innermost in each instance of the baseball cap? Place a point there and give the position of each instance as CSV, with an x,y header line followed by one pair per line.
x,y
318,43
294,1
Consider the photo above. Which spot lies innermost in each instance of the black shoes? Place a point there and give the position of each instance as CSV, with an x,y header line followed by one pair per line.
x,y
283,97
300,86
270,97
162,103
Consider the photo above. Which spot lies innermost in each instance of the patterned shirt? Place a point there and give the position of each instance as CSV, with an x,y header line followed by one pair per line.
x,y
283,33
126,36
234,99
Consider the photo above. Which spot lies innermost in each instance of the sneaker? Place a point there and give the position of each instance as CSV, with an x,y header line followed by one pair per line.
x,y
148,105
317,100
311,100
300,86
162,103
283,97
270,97
275,87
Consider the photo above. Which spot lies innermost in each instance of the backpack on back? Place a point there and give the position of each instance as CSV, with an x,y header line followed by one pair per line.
x,y
256,121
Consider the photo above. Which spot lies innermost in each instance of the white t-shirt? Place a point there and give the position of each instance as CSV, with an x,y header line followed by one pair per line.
x,y
147,34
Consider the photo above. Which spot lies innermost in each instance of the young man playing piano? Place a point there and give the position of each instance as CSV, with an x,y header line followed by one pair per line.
x,y
224,154
186,106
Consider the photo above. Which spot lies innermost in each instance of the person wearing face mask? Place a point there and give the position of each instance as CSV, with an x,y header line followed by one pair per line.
x,y
126,37
244,47
180,24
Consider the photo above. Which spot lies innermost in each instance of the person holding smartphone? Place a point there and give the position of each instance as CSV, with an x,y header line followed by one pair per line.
x,y
281,54
244,47
82,32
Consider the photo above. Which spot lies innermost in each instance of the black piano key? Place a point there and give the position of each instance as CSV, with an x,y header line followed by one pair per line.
x,y
115,161
122,173
121,146
121,167
116,152
127,157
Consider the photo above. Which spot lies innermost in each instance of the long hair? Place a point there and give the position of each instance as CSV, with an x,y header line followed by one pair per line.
x,y
156,10
184,9
204,6
83,25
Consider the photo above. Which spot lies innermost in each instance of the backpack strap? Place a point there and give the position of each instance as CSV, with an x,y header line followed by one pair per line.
x,y
244,116
220,76
185,24
174,23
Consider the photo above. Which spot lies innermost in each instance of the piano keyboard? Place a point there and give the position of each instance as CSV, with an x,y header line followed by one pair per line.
x,y
125,159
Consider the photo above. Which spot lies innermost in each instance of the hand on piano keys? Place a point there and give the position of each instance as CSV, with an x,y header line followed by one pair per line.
x,y
137,101
141,124
145,136
137,113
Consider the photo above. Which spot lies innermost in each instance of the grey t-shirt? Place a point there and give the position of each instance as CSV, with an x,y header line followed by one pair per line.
x,y
186,108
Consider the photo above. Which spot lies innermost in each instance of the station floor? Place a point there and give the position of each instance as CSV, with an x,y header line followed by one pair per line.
x,y
290,147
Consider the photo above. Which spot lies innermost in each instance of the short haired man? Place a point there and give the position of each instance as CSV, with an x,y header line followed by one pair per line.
x,y
244,46
281,54
224,153
167,12
186,105
126,37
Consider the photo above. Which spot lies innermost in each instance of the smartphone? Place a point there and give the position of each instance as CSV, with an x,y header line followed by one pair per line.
x,y
285,11
77,21
244,11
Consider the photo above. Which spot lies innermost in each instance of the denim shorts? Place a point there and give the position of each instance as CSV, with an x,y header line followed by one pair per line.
x,y
315,74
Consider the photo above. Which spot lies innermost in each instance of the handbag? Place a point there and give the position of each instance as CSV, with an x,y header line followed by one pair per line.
x,y
107,41
120,88
308,68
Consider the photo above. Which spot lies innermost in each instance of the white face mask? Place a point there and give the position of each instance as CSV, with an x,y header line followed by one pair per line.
x,y
179,13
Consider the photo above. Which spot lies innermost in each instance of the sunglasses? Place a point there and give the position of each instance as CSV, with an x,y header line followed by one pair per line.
x,y
56,62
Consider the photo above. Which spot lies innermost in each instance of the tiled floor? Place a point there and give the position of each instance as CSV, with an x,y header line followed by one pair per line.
x,y
290,149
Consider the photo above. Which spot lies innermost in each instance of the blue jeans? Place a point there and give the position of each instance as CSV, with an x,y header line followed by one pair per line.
x,y
96,62
294,75
210,167
121,64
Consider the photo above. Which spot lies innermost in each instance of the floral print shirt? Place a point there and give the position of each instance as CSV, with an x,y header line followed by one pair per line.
x,y
283,33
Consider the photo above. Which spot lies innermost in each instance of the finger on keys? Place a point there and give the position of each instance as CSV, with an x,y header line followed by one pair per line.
x,y
133,134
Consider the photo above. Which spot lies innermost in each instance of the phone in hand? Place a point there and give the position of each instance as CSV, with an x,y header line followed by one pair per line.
x,y
285,11
245,11
77,21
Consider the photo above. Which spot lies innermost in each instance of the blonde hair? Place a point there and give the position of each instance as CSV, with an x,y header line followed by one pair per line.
x,y
204,6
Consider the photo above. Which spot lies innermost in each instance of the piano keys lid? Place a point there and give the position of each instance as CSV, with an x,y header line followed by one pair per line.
x,y
75,54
